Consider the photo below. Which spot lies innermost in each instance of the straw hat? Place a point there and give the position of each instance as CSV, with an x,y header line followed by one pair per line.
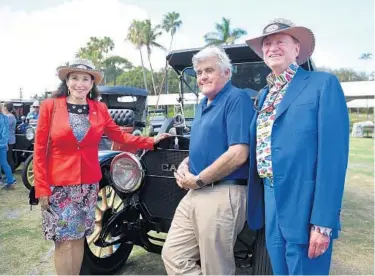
x,y
80,65
304,35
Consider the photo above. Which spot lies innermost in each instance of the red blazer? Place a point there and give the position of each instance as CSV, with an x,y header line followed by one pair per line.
x,y
69,162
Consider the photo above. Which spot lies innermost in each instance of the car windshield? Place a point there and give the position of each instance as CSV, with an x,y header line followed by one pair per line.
x,y
244,75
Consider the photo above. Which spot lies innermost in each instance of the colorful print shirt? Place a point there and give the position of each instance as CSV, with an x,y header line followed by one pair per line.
x,y
278,86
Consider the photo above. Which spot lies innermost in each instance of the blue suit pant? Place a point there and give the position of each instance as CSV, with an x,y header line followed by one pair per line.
x,y
289,258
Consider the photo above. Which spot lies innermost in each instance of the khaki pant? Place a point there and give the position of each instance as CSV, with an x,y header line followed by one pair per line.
x,y
205,227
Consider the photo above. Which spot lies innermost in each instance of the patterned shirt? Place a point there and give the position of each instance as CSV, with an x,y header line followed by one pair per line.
x,y
278,86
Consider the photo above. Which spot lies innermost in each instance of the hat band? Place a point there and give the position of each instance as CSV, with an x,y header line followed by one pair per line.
x,y
81,66
274,27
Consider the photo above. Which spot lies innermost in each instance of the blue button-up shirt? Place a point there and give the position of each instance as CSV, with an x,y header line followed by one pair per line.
x,y
219,125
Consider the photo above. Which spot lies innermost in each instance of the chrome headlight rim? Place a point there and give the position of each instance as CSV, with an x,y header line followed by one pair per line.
x,y
30,133
139,167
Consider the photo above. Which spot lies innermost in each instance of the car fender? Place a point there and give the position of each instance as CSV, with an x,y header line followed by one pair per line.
x,y
106,155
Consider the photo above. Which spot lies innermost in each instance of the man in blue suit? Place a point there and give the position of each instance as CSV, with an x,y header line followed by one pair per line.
x,y
299,153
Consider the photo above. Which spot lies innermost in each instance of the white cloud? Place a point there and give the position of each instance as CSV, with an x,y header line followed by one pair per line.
x,y
34,44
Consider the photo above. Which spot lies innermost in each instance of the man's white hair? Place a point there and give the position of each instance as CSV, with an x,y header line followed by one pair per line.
x,y
214,51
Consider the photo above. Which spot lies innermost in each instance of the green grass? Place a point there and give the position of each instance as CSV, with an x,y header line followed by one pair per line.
x,y
23,249
354,250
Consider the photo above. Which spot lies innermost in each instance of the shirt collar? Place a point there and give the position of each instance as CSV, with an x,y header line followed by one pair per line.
x,y
222,91
284,78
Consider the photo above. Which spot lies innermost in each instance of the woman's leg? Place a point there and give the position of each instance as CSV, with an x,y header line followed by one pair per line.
x,y
5,165
68,257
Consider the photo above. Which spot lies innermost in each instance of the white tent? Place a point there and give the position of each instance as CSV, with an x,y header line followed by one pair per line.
x,y
361,103
358,90
360,128
172,99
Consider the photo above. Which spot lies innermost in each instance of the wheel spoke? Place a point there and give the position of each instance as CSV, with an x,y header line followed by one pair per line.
x,y
112,199
98,251
104,199
119,203
94,236
99,210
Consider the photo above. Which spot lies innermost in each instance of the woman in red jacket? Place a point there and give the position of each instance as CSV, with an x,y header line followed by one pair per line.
x,y
66,166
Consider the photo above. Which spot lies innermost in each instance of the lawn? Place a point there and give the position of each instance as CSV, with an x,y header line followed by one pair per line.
x,y
23,250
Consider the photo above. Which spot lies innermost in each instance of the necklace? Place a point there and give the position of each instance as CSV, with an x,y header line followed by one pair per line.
x,y
78,108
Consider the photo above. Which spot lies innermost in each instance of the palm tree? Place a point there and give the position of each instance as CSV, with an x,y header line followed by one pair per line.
x,y
136,37
170,24
150,36
223,34
366,56
95,50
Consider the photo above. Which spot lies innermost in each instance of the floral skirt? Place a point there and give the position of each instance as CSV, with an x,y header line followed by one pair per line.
x,y
71,215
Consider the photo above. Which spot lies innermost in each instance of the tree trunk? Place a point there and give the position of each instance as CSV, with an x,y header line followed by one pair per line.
x,y
144,70
165,70
170,44
152,72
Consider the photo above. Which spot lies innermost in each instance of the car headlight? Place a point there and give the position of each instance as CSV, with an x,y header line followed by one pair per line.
x,y
30,133
126,172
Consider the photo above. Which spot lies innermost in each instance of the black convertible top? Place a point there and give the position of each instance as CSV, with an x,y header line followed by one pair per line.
x,y
122,91
237,53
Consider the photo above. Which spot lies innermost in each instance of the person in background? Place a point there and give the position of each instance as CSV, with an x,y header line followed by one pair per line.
x,y
7,110
4,140
33,115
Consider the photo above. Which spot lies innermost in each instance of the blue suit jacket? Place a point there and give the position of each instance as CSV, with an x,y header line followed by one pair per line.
x,y
310,145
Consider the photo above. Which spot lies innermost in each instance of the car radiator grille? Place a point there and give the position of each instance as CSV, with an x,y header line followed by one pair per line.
x,y
160,194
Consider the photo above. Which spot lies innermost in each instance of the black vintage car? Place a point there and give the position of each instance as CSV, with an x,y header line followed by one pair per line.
x,y
127,106
138,191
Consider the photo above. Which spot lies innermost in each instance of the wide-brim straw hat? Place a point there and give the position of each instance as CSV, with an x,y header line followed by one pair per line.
x,y
80,65
304,35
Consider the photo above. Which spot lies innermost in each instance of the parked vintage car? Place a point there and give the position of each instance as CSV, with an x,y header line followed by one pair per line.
x,y
157,118
143,194
127,106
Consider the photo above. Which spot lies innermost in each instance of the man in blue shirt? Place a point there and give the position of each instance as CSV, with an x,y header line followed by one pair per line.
x,y
212,214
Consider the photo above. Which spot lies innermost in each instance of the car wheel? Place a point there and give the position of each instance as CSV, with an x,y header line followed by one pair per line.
x,y
28,173
16,161
261,261
104,260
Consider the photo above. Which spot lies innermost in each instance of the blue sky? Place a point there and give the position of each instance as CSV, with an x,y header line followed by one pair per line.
x,y
39,35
